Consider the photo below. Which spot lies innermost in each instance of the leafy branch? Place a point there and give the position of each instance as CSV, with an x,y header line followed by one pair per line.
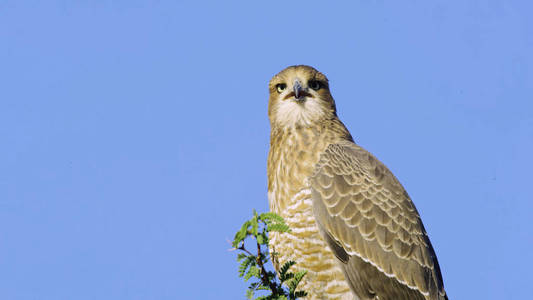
x,y
253,265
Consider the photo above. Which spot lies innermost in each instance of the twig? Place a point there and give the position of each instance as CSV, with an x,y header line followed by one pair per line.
x,y
264,275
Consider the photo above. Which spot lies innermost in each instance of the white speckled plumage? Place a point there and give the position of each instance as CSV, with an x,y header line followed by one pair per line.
x,y
305,246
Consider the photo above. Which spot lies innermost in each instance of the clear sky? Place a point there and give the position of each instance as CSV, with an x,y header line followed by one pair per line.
x,y
134,135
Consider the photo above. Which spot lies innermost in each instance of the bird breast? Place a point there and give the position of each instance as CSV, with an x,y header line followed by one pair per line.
x,y
292,159
305,246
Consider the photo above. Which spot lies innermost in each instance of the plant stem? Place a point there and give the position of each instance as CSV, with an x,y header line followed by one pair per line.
x,y
264,275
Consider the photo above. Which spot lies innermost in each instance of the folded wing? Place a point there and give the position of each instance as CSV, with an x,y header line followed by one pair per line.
x,y
373,227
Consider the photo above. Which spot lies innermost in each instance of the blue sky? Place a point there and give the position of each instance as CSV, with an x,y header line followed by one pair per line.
x,y
134,135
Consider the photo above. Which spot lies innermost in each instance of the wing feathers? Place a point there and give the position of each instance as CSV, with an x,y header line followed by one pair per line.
x,y
370,223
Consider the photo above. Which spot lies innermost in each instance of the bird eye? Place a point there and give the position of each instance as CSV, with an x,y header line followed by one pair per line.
x,y
281,87
314,84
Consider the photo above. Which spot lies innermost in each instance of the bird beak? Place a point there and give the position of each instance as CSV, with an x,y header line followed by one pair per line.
x,y
297,89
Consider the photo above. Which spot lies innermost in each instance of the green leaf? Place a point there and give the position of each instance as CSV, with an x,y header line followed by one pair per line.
x,y
283,275
278,227
293,283
260,239
255,225
286,266
270,216
248,261
300,274
241,234
253,271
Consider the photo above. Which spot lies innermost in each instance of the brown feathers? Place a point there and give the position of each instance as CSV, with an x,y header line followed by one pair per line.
x,y
377,223
334,193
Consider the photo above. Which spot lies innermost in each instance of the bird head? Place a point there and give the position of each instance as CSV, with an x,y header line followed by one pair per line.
x,y
299,97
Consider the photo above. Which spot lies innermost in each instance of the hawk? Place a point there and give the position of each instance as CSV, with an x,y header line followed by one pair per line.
x,y
354,227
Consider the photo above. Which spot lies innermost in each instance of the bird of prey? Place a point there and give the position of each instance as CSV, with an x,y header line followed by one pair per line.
x,y
354,227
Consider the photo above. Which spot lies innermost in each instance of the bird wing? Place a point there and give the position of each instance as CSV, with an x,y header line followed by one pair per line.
x,y
373,227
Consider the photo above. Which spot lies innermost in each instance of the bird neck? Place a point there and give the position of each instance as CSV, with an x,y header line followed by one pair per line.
x,y
325,132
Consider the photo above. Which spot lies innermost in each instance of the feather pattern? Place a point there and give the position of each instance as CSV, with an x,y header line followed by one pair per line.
x,y
362,209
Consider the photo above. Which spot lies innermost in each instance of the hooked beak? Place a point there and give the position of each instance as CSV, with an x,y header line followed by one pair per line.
x,y
297,89
298,92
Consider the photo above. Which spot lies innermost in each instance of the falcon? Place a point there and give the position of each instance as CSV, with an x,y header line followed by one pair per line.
x,y
353,226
